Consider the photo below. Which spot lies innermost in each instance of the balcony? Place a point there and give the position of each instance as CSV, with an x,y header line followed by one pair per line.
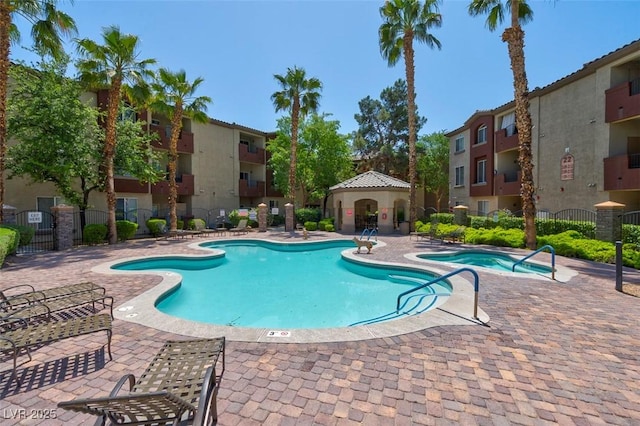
x,y
185,185
130,185
185,143
506,140
623,102
251,188
253,155
508,183
622,172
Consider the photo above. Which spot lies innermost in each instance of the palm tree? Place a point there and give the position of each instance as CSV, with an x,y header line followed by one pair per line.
x,y
514,37
174,98
112,64
404,21
48,24
299,96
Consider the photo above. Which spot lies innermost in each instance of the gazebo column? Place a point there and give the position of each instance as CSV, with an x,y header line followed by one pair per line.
x,y
385,220
348,220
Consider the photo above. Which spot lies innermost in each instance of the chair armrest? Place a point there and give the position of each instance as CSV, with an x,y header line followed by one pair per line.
x,y
127,377
6,323
4,295
207,412
28,311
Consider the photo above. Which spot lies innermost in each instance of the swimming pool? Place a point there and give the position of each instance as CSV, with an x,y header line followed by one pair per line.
x,y
256,283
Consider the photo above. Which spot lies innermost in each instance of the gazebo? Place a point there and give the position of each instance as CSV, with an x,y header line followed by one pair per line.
x,y
368,198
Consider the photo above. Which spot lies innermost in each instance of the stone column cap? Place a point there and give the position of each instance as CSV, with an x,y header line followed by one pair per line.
x,y
262,205
609,205
460,207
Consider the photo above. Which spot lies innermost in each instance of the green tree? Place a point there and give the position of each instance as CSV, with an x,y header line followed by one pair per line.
x,y
381,141
324,156
48,24
174,97
112,65
59,139
433,165
403,22
298,96
520,13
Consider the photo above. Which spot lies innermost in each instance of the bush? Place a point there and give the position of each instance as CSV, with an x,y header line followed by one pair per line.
x,y
275,219
234,218
329,227
9,241
322,225
125,229
311,226
631,234
26,233
156,226
94,233
442,218
496,237
552,226
308,215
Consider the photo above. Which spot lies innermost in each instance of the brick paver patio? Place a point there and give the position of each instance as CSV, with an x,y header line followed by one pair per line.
x,y
552,353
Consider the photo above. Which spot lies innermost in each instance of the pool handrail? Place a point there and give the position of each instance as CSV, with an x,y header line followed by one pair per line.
x,y
553,259
476,288
369,233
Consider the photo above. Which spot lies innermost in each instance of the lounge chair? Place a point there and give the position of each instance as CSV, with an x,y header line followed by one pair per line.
x,y
201,228
18,334
430,235
55,299
241,228
456,235
179,386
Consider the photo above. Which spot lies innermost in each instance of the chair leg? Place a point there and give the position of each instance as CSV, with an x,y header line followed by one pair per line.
x,y
109,344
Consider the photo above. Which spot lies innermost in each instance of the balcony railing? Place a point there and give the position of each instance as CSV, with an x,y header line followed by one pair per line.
x,y
251,188
251,154
506,139
508,183
185,143
623,101
184,182
130,185
622,172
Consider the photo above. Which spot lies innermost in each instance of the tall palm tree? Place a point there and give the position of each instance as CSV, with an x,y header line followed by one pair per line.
x,y
520,13
112,64
174,97
299,96
404,21
48,25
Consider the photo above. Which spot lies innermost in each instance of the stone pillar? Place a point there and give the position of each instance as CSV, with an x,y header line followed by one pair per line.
x,y
608,221
460,215
9,214
289,218
385,220
262,217
63,229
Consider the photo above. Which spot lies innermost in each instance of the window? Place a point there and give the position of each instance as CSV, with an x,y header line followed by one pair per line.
x,y
244,175
459,176
127,209
482,134
127,114
459,144
509,124
481,171
483,208
44,204
155,122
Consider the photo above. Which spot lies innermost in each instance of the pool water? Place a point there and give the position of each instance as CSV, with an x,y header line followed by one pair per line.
x,y
302,285
495,261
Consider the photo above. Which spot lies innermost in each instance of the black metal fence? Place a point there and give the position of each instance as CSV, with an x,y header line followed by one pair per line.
x,y
43,224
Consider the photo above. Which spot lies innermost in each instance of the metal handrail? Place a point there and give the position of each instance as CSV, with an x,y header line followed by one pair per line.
x,y
553,259
476,288
370,233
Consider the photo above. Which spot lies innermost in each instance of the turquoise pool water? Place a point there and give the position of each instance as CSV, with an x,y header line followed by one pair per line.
x,y
304,285
496,261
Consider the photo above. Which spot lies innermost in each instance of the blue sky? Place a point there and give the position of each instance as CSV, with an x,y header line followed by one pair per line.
x,y
237,47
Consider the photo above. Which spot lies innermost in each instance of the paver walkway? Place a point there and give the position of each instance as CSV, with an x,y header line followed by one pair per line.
x,y
553,353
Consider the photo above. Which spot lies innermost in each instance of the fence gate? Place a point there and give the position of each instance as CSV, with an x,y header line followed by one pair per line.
x,y
43,224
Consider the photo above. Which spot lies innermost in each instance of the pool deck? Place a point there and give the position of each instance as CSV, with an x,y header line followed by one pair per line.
x,y
552,353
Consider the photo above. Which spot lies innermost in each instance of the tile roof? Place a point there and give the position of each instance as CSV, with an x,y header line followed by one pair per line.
x,y
371,179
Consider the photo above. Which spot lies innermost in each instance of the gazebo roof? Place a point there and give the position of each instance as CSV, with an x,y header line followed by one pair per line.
x,y
371,179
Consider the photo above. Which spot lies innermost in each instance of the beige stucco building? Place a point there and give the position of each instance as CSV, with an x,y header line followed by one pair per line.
x,y
221,167
586,143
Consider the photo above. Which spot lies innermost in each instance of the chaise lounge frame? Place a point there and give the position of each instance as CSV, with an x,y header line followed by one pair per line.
x,y
181,380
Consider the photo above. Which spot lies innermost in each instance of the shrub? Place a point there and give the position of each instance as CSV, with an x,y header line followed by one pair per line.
x,y
496,236
329,227
552,226
94,233
9,241
156,226
308,215
322,225
442,217
275,219
125,229
311,226
573,244
631,234
26,232
196,224
234,218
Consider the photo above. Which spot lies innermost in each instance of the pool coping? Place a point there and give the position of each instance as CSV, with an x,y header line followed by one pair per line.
x,y
457,310
562,273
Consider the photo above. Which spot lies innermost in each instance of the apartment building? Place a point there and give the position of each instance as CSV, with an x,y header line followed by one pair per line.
x,y
221,167
585,143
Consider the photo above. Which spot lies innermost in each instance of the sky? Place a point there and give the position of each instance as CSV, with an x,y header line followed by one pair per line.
x,y
238,46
